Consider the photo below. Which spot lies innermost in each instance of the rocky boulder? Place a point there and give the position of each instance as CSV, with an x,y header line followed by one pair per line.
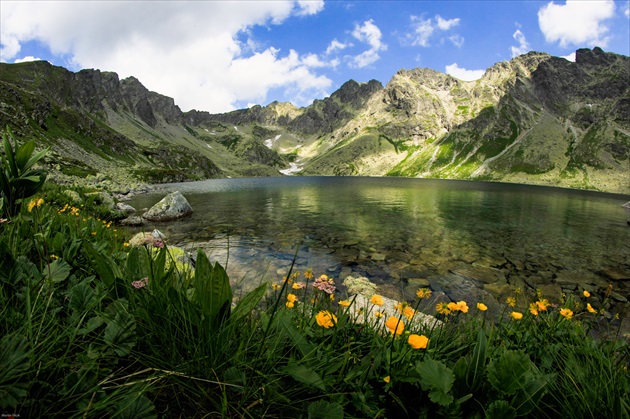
x,y
171,207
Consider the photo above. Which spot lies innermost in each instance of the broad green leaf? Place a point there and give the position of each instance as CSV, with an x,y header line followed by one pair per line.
x,y
500,409
526,399
9,154
36,157
323,409
305,375
135,407
510,371
81,297
438,379
23,154
248,303
14,362
303,345
103,264
57,271
138,263
120,331
478,363
212,288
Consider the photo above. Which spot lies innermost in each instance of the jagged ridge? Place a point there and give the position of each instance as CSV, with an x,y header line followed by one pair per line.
x,y
536,119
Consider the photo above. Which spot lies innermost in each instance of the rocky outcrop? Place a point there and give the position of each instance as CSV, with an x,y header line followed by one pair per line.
x,y
533,119
171,207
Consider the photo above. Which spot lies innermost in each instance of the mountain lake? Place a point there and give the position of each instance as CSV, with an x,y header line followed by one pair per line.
x,y
462,238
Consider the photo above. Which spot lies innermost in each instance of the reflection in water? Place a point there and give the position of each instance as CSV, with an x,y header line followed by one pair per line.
x,y
353,223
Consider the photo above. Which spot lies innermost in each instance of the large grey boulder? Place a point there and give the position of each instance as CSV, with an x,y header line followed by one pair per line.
x,y
171,207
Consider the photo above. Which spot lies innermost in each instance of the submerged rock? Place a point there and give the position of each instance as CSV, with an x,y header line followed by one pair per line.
x,y
126,208
171,207
133,221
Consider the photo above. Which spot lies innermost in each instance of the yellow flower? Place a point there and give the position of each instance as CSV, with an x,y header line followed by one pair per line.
x,y
423,293
387,379
590,308
587,294
377,300
482,307
452,306
126,244
516,315
276,286
308,274
566,313
344,303
291,298
31,205
326,319
417,341
289,304
533,308
409,312
442,308
332,297
542,304
462,306
511,301
378,314
395,325
296,286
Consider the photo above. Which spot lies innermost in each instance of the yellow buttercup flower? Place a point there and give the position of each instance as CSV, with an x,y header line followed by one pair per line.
x,y
344,303
511,301
31,205
326,319
423,293
290,304
387,379
395,325
516,315
462,306
533,308
542,304
442,308
482,307
409,312
590,308
276,286
452,306
378,314
587,294
377,300
566,313
291,298
417,341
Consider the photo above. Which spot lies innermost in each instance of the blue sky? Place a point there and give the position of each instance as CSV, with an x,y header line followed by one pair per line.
x,y
224,55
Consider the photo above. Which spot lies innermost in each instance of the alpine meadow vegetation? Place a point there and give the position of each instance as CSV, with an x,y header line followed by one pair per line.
x,y
91,326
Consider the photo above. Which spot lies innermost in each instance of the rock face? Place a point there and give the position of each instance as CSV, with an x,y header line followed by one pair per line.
x,y
533,119
171,207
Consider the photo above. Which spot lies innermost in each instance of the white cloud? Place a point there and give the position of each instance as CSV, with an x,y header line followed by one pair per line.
x,y
523,46
309,7
336,46
424,29
626,11
187,50
570,57
576,22
464,74
457,40
444,24
26,59
369,33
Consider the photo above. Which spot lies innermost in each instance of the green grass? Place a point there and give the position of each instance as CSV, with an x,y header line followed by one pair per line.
x,y
94,327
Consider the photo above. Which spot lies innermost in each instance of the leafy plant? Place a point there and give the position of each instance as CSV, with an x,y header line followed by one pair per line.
x,y
18,179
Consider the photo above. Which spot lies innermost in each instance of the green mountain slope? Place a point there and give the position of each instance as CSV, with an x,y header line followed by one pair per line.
x,y
535,119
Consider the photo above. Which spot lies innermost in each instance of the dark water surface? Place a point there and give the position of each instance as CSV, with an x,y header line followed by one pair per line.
x,y
393,229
